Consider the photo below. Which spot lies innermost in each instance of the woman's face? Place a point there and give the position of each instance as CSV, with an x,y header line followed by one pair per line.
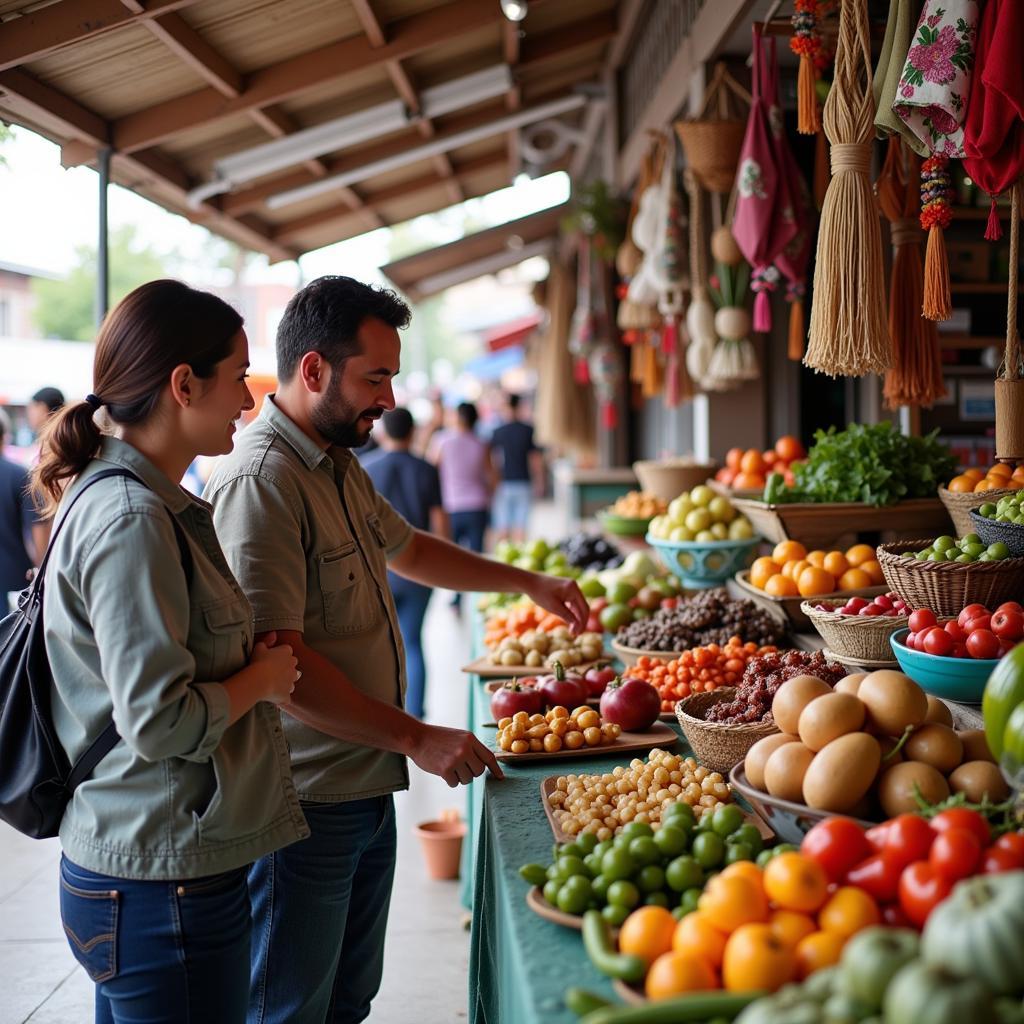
x,y
220,401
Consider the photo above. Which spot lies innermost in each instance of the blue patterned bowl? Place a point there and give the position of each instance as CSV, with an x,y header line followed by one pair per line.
x,y
959,679
701,565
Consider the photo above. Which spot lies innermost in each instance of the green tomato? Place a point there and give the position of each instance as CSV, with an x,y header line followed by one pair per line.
x,y
623,893
684,873
644,850
600,886
726,819
570,850
616,864
679,913
671,841
656,899
708,850
570,866
587,842
552,872
614,914
764,856
551,892
650,878
680,815
635,829
593,864
689,899
738,851
579,887
748,834
603,847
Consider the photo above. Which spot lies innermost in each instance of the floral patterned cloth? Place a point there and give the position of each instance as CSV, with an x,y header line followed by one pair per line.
x,y
932,95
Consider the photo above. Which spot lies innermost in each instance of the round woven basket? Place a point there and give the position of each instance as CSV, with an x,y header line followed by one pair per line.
x,y
990,531
858,637
717,745
959,506
713,151
948,587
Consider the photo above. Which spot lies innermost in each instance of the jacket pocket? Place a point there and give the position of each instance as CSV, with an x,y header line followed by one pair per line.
x,y
224,649
344,590
90,919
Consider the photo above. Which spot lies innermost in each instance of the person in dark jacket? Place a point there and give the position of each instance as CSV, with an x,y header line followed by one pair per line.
x,y
17,521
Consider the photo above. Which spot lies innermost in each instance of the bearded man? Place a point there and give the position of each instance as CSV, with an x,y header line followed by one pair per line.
x,y
311,541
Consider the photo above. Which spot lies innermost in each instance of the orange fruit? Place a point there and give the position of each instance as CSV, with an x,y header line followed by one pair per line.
x,y
874,570
789,448
816,558
781,586
786,550
762,570
729,901
1015,483
752,461
769,457
732,458
847,911
974,473
859,553
695,935
794,568
748,481
814,581
756,958
1000,469
961,484
989,484
835,563
791,926
672,974
747,869
818,950
795,882
854,579
647,933
1018,472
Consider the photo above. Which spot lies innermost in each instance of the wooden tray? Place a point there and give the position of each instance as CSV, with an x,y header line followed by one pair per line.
x,y
629,994
485,670
821,525
540,906
731,493
495,685
788,608
658,735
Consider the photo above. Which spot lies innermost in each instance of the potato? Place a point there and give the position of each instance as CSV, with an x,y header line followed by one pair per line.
x,y
979,780
893,700
935,744
896,787
975,745
851,683
829,717
792,697
938,712
758,754
842,772
784,770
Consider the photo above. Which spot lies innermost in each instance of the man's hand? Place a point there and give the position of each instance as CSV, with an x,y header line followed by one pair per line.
x,y
453,754
563,597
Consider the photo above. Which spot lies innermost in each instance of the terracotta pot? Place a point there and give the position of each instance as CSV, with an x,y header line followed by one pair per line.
x,y
442,846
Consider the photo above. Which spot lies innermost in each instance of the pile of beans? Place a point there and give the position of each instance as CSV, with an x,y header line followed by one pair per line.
x,y
763,676
711,617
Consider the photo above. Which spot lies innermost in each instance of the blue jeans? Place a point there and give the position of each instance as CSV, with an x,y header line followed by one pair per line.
x,y
411,600
468,529
320,909
160,952
511,508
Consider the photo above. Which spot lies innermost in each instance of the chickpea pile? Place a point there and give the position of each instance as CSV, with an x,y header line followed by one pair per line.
x,y
639,504
641,791
557,730
537,648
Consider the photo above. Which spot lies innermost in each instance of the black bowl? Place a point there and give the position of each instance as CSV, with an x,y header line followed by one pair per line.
x,y
1011,534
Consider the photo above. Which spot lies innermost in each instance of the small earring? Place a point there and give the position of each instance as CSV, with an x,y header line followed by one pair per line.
x,y
188,401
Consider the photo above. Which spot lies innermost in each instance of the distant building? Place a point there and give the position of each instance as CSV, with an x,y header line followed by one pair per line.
x,y
17,301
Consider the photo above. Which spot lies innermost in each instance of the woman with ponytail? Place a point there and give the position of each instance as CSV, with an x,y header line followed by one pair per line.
x,y
145,625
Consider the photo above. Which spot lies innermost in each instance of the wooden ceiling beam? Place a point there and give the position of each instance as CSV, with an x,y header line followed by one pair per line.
x,y
183,40
552,45
40,33
511,45
288,78
51,103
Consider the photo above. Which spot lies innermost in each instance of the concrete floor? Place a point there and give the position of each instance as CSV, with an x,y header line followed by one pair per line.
x,y
42,983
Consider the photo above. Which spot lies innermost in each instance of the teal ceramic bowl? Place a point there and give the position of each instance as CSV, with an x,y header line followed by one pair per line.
x,y
623,526
702,565
958,679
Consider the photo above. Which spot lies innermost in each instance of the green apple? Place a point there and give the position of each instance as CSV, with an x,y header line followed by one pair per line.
x,y
721,509
615,616
592,587
621,593
740,529
556,560
678,509
719,531
943,544
702,495
537,549
681,533
998,550
697,520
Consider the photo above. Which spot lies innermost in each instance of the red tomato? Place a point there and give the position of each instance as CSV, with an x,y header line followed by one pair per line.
x,y
998,859
979,622
955,854
959,650
837,844
963,817
876,836
1011,606
909,839
923,618
1012,843
878,876
983,643
895,917
954,630
1008,625
938,642
969,613
922,889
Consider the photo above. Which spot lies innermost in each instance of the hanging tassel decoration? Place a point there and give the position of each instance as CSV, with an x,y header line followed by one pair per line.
x,y
795,292
936,216
849,335
993,229
806,44
763,281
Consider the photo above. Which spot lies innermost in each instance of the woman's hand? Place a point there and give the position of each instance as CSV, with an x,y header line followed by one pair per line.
x,y
277,670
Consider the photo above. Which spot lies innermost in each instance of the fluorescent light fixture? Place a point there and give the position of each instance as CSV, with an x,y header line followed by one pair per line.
x,y
514,10
350,130
443,145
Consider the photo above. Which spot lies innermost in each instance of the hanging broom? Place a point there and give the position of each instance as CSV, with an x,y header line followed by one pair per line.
x,y
936,216
849,336
1009,386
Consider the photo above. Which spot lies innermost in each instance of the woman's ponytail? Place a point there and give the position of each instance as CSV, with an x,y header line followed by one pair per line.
x,y
68,442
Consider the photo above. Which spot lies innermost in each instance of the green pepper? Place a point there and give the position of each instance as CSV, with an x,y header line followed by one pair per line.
x,y
597,941
535,874
1004,694
581,1002
684,1009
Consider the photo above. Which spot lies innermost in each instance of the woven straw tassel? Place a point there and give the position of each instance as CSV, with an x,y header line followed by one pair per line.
x,y
849,335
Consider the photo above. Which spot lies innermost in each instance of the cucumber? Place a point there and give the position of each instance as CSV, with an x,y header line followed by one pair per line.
x,y
582,1002
687,1009
597,941
535,874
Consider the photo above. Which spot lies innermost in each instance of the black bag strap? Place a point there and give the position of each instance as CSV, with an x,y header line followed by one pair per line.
x,y
109,738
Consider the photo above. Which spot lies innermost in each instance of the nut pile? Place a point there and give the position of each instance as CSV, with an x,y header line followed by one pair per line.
x,y
605,804
763,676
537,648
710,617
558,729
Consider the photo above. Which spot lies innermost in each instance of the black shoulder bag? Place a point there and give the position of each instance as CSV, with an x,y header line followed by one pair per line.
x,y
36,777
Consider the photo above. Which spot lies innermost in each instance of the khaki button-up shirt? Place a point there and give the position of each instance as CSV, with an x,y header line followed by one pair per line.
x,y
309,539
184,794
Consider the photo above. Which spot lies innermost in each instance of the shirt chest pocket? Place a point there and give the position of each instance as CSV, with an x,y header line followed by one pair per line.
x,y
345,591
226,636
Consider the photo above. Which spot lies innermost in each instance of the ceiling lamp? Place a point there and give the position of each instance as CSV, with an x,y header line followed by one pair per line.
x,y
514,10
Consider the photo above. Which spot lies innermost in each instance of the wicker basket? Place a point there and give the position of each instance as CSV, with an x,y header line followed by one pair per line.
x,y
668,478
959,506
861,638
717,745
948,587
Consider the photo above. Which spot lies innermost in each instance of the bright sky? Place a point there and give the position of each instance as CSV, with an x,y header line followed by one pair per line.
x,y
45,211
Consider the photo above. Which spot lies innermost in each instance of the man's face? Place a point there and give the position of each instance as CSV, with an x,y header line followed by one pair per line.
x,y
37,414
359,392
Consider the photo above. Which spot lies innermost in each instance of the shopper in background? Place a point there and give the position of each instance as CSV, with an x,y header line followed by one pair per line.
x,y
412,486
17,520
145,624
519,466
467,481
44,404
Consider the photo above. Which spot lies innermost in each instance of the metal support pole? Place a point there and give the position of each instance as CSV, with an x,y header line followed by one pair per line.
x,y
102,253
